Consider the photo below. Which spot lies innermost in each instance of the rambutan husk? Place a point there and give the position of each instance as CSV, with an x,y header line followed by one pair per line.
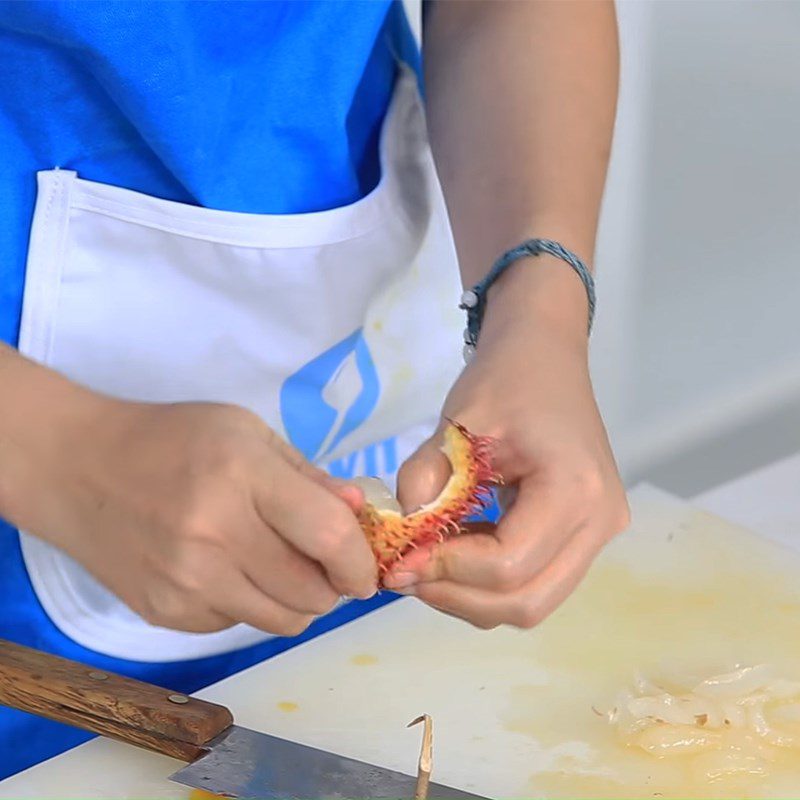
x,y
468,491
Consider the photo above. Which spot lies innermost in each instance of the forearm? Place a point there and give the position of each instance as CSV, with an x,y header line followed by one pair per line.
x,y
521,100
40,411
521,104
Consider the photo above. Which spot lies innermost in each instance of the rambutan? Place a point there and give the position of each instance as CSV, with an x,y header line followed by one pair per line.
x,y
468,490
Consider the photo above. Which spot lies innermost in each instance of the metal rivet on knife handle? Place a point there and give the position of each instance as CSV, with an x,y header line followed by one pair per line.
x,y
178,698
96,675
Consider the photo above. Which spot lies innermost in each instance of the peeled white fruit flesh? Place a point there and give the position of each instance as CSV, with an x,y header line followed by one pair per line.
x,y
733,722
377,494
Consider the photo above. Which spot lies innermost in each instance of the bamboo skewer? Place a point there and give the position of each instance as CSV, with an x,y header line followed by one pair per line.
x,y
425,757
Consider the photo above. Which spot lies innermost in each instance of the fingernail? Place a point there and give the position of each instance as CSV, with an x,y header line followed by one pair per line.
x,y
400,580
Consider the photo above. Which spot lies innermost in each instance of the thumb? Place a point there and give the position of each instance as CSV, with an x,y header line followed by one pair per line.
x,y
423,475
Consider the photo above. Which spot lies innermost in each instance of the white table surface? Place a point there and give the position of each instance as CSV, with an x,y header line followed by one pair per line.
x,y
766,501
407,658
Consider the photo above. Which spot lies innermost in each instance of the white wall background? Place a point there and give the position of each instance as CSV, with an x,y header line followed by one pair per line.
x,y
697,356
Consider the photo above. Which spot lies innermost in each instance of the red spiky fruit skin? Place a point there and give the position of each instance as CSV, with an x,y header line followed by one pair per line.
x,y
468,491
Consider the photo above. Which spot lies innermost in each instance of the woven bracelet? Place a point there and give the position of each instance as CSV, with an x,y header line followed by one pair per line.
x,y
473,301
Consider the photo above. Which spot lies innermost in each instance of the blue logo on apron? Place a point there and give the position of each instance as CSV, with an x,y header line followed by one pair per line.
x,y
330,397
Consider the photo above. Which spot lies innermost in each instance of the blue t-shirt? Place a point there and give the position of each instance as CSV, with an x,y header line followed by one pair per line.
x,y
263,107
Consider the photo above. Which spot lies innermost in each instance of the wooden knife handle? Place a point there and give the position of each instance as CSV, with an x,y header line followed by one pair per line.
x,y
122,708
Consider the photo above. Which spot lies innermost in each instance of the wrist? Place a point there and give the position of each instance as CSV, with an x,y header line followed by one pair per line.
x,y
535,298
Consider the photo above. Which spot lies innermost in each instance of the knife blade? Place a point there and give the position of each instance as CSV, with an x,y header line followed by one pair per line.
x,y
246,764
226,759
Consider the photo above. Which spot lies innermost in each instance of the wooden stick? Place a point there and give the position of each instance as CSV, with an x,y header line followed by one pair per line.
x,y
425,757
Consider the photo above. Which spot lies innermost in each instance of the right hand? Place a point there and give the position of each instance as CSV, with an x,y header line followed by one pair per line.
x,y
197,516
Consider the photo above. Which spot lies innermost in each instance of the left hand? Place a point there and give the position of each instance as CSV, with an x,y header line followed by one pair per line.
x,y
527,386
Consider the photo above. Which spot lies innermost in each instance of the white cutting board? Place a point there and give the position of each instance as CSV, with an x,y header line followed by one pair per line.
x,y
512,709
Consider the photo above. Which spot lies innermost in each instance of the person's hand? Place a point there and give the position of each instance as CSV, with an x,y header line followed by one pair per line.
x,y
528,386
197,516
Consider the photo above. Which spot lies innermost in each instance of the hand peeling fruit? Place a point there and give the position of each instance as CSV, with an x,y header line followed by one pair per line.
x,y
468,490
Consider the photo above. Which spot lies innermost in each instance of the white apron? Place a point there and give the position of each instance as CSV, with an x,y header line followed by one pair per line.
x,y
339,328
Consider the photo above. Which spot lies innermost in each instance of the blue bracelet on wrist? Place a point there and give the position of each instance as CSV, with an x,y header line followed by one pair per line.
x,y
473,301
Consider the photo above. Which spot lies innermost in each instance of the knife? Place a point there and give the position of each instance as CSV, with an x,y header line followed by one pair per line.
x,y
225,759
